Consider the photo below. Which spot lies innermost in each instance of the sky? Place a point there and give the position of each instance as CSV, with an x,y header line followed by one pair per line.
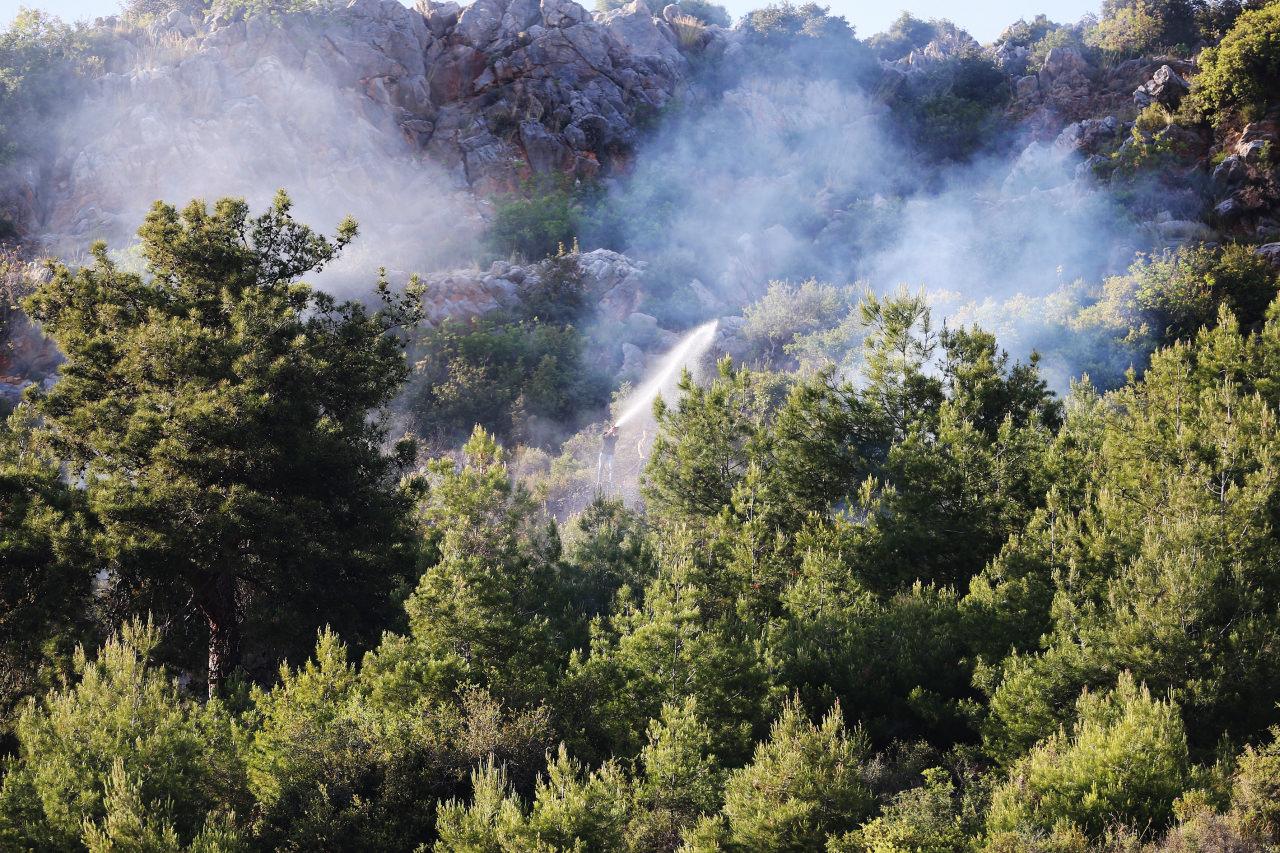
x,y
983,18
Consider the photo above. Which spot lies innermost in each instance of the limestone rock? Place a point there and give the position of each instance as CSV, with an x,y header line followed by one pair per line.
x,y
1271,251
1166,87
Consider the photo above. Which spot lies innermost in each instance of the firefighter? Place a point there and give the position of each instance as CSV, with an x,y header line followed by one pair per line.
x,y
608,446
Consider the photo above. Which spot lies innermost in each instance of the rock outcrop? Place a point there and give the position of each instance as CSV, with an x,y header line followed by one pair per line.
x,y
430,106
613,284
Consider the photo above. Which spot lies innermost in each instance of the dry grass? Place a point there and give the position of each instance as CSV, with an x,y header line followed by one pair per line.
x,y
689,31
162,51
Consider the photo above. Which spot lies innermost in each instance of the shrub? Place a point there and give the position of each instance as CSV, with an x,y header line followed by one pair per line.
x,y
953,108
122,716
1062,37
790,311
517,378
41,60
706,11
1136,27
15,285
143,12
703,10
1025,34
1182,290
1241,74
904,35
806,40
539,222
1124,761
803,784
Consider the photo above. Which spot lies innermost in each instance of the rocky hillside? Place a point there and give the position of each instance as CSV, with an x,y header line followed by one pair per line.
x,y
348,108
696,162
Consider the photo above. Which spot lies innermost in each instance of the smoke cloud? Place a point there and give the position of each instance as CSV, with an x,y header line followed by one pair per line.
x,y
177,122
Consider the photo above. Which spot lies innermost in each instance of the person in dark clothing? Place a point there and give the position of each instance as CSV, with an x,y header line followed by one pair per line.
x,y
608,446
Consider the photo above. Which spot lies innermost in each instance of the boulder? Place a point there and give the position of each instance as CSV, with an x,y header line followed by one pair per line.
x,y
1229,210
441,17
1166,87
1230,174
562,13
635,26
1271,251
1063,62
1088,136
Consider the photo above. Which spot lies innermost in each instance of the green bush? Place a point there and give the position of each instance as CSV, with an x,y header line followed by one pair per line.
x,y
1025,33
509,376
41,61
806,40
541,221
706,11
1061,37
123,716
1172,295
1125,761
904,35
143,12
954,109
1138,27
1242,74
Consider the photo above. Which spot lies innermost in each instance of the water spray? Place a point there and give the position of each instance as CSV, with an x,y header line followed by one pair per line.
x,y
689,349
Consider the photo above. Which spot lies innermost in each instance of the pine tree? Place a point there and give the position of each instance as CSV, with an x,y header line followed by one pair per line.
x,y
218,412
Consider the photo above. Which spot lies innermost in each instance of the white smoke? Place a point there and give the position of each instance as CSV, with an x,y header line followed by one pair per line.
x,y
189,122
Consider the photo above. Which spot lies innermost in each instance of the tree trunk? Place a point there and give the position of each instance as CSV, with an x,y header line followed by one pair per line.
x,y
219,608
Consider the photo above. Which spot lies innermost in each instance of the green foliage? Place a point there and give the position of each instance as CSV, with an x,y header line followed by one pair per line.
x,y
1242,73
684,642
703,10
219,413
706,11
953,107
121,737
16,284
45,567
705,441
1024,33
802,785
42,62
682,781
132,825
489,610
142,13
609,548
521,374
806,39
1255,792
573,809
273,8
1057,37
1173,295
341,759
788,312
905,34
1124,761
1164,568
926,819
539,222
1138,27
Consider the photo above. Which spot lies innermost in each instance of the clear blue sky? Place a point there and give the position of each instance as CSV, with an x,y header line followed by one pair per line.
x,y
984,18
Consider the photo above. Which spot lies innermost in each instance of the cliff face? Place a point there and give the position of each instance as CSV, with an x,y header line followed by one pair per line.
x,y
402,117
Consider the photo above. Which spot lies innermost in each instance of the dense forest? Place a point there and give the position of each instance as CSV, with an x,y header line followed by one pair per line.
x,y
286,570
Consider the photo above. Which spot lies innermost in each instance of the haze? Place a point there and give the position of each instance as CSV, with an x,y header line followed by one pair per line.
x,y
984,20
